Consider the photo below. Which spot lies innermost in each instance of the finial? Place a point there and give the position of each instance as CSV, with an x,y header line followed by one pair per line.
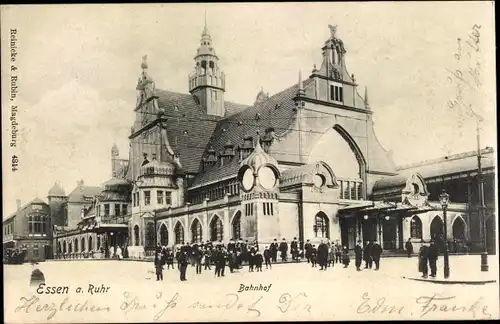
x,y
333,31
205,29
144,64
367,103
300,91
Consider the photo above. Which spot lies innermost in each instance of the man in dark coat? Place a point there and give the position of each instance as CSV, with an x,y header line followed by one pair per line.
x,y
283,250
183,261
422,260
367,255
294,249
231,246
409,247
338,252
314,256
376,252
198,254
308,248
432,256
274,250
345,257
267,257
159,266
358,255
323,255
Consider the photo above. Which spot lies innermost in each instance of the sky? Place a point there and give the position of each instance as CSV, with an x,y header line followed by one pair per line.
x,y
77,68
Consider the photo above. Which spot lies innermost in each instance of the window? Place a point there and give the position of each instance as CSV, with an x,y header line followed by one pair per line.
x,y
353,191
268,209
37,224
359,190
346,190
416,228
216,229
321,226
106,209
236,226
179,234
117,209
248,209
168,198
124,209
133,199
336,93
147,197
159,197
196,233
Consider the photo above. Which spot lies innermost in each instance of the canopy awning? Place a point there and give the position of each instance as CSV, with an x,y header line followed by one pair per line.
x,y
385,208
357,206
111,227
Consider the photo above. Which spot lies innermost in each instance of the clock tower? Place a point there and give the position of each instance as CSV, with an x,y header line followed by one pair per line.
x,y
259,181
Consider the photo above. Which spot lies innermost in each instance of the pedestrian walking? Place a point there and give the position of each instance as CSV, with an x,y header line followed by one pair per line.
x,y
294,249
338,252
322,255
409,247
358,255
258,261
331,256
159,266
274,250
283,250
314,256
432,256
199,256
308,248
367,255
183,261
376,252
267,257
345,257
422,261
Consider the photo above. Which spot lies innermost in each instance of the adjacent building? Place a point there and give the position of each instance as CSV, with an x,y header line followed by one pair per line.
x,y
29,229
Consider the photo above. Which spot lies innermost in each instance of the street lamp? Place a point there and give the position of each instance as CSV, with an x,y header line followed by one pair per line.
x,y
444,199
482,207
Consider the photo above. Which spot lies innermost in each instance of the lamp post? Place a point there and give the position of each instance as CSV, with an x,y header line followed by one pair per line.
x,y
444,199
482,214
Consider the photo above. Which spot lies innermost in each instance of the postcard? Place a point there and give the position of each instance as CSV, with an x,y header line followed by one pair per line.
x,y
247,162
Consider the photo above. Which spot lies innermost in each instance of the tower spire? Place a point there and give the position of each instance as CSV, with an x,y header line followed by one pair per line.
x,y
205,29
301,84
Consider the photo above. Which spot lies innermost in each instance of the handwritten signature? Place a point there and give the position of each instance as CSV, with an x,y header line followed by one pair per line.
x,y
437,303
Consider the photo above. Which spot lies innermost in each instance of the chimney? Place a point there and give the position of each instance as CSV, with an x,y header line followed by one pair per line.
x,y
80,183
18,202
247,147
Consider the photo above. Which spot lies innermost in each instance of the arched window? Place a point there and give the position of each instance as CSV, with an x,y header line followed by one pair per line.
x,y
65,247
437,228
459,229
70,248
163,235
179,233
90,244
136,235
83,244
236,226
196,231
98,246
321,226
76,245
37,224
416,228
216,229
211,65
59,249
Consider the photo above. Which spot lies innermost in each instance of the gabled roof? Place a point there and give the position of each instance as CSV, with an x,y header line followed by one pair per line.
x,y
32,202
80,192
276,112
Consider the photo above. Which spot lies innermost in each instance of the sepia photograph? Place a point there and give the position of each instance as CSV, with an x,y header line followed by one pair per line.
x,y
246,162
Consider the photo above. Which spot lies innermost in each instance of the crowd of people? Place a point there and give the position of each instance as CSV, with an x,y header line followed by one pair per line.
x,y
14,256
204,256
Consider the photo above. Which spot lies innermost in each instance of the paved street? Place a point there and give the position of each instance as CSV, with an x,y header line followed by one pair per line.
x,y
337,293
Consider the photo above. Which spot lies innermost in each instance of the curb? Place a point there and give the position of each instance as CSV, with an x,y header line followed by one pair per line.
x,y
452,282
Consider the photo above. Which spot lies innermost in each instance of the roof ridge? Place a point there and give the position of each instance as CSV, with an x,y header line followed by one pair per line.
x,y
445,158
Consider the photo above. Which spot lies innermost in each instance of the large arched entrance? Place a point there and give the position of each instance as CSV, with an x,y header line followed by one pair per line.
x,y
459,229
163,235
76,245
321,225
236,226
179,233
196,231
216,229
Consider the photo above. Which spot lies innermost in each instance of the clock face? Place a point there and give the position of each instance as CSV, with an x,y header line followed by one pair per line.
x,y
319,180
267,178
247,180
